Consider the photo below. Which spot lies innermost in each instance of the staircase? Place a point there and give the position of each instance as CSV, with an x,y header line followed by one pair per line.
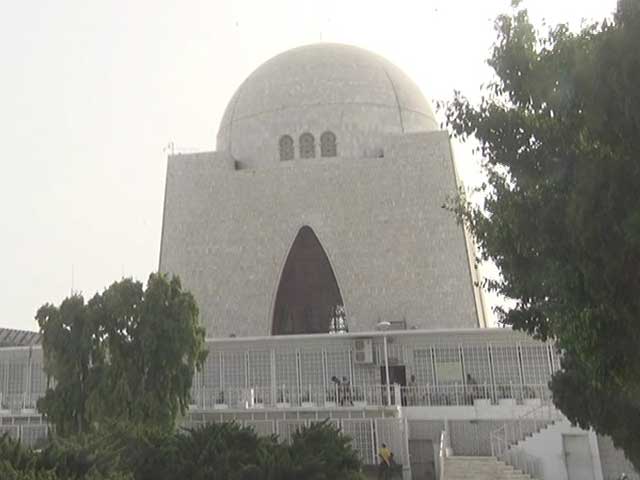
x,y
480,468
505,440
532,422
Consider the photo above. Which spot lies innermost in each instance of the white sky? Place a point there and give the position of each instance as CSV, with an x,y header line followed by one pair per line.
x,y
91,93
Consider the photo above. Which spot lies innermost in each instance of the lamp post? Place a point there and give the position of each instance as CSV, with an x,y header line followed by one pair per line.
x,y
383,327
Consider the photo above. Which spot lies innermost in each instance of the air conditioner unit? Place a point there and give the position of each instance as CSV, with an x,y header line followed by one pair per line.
x,y
363,350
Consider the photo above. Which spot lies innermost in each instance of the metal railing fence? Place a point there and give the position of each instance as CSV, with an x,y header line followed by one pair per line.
x,y
282,396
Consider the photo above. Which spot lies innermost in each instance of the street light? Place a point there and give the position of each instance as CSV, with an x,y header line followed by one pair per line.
x,y
383,327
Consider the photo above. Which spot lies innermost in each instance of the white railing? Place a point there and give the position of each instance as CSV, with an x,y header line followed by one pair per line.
x,y
504,439
341,395
17,402
287,396
466,395
332,395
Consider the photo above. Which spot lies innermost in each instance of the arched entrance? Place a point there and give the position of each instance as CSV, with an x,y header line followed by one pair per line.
x,y
308,292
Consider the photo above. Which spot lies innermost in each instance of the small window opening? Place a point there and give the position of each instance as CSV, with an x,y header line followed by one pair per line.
x,y
286,148
307,146
328,145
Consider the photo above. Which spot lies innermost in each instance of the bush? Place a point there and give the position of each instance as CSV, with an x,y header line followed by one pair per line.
x,y
324,453
222,451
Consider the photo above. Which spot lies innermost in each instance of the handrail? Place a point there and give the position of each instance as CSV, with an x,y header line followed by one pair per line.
x,y
445,450
503,439
525,462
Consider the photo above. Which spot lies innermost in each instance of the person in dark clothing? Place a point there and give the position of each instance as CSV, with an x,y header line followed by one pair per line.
x,y
473,389
337,390
346,392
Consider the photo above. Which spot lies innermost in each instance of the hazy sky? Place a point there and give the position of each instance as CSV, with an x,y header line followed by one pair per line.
x,y
92,92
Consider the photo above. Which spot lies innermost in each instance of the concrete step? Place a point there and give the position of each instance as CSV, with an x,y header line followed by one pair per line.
x,y
480,468
526,436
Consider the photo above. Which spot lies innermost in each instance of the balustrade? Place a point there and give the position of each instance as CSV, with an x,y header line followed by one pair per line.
x,y
329,396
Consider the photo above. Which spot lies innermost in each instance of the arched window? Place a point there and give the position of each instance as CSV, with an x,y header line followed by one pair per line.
x,y
307,146
286,148
328,145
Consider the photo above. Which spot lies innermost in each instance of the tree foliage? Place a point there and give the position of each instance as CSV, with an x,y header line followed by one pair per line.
x,y
321,447
128,355
225,451
230,451
68,343
588,405
77,460
559,129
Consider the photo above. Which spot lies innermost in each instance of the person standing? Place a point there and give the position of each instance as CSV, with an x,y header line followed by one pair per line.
x,y
337,390
385,462
412,397
473,391
346,391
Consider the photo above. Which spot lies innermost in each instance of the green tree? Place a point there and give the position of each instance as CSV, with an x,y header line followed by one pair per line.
x,y
154,344
559,129
70,349
128,355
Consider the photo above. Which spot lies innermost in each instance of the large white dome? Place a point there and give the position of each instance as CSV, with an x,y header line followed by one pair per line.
x,y
355,94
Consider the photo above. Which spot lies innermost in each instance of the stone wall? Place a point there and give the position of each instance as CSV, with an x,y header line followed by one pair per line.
x,y
396,253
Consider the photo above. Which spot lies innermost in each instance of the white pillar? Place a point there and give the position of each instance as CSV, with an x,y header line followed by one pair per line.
x,y
386,370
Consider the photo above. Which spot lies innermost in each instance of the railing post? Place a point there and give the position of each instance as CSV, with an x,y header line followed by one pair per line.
x,y
492,439
521,435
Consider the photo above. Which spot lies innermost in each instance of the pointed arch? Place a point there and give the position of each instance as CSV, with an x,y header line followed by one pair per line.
x,y
308,291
